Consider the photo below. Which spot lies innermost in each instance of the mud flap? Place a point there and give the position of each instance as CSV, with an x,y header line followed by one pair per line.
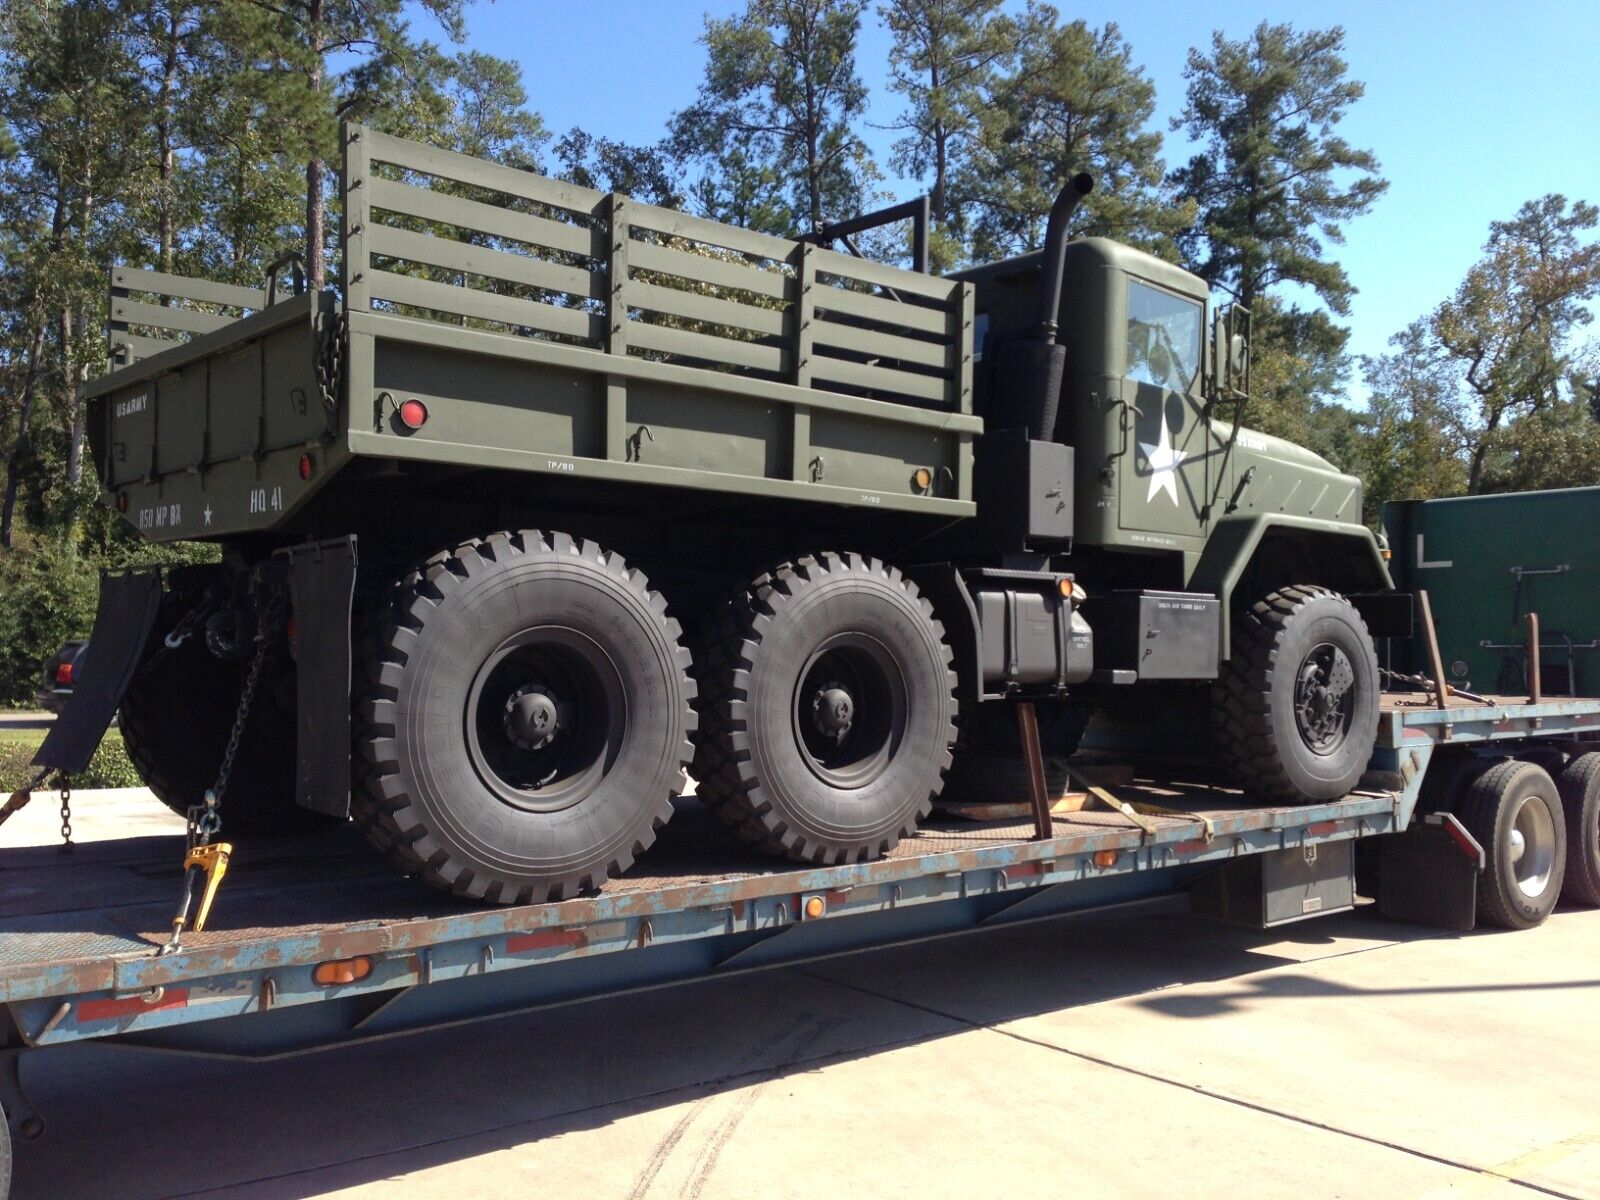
x,y
1428,875
128,604
322,580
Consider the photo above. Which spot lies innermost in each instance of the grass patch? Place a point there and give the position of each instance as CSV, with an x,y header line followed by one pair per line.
x,y
109,768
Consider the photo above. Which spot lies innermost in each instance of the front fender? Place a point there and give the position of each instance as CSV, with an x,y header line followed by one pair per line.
x,y
1234,541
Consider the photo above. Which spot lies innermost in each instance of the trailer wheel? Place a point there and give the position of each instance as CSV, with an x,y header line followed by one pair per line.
x,y
1514,811
1579,785
828,710
527,719
1295,708
175,721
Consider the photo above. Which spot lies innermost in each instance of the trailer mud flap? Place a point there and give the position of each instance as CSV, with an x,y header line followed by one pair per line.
x,y
322,580
128,604
1428,875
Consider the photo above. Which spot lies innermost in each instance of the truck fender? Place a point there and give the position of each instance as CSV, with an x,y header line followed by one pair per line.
x,y
128,604
322,579
1234,541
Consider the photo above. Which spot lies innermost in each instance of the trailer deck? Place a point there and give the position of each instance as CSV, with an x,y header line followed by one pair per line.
x,y
79,933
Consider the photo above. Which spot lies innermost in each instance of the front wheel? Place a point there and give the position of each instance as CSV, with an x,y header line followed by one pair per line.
x,y
1295,708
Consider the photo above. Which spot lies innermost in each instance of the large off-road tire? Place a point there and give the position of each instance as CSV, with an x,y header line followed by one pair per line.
x,y
1295,708
1579,785
526,720
1514,811
5,1156
176,718
827,710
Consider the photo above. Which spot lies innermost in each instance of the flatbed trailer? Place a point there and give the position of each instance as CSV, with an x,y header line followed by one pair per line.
x,y
314,943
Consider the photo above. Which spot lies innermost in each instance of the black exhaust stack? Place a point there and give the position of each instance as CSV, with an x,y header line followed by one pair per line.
x,y
1032,366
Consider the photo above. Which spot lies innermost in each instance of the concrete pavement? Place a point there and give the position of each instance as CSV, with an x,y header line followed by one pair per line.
x,y
1131,1055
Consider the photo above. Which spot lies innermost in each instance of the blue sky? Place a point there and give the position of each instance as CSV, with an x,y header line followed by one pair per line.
x,y
1471,107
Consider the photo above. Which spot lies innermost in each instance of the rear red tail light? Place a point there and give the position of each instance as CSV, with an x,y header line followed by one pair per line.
x,y
64,672
413,414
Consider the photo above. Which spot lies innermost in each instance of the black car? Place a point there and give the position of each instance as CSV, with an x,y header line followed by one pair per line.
x,y
60,674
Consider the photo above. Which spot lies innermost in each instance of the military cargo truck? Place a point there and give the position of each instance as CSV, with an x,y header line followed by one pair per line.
x,y
560,496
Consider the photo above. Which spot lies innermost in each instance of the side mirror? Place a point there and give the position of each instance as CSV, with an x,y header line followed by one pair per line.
x,y
1230,353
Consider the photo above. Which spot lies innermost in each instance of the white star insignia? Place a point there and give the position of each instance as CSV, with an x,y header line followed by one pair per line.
x,y
1164,462
208,514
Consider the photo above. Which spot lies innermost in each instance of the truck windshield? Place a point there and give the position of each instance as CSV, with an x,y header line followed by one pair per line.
x,y
1163,337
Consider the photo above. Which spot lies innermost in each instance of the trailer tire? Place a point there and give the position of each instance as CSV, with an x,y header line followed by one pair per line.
x,y
1514,811
827,711
1295,708
1579,785
176,718
573,731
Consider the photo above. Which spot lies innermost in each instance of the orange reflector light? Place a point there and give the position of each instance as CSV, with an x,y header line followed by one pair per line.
x,y
816,906
413,413
1064,586
1105,858
923,478
342,970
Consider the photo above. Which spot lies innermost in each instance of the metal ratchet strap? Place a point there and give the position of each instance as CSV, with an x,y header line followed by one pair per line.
x,y
1137,810
15,802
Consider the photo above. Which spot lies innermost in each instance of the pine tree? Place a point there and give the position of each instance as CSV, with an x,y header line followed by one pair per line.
x,y
944,60
1073,101
781,98
1273,181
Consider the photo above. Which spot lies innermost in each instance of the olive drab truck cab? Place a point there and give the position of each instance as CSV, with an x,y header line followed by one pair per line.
x,y
562,498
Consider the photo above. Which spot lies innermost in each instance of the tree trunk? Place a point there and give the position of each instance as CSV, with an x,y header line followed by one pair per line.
x,y
316,269
164,130
24,441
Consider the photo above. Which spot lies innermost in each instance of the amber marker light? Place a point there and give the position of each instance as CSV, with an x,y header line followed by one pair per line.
x,y
923,478
342,970
1105,858
816,906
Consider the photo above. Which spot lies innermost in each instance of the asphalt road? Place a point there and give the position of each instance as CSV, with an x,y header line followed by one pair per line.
x,y
1140,1054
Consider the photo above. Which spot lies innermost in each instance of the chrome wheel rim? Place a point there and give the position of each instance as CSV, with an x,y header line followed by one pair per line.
x,y
1532,846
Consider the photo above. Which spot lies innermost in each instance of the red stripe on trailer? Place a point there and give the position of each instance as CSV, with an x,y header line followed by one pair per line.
x,y
115,1007
1323,828
544,938
1023,870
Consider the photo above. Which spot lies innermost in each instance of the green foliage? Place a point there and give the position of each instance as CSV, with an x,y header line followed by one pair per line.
x,y
1073,101
1270,181
49,591
779,101
1490,392
110,767
945,59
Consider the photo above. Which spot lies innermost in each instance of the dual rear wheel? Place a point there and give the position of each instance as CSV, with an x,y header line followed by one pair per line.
x,y
529,706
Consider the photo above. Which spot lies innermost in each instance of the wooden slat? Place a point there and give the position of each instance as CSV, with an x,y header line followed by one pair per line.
x,y
907,283
704,346
154,315
705,269
462,168
696,307
466,302
698,229
881,308
485,218
879,379
135,279
884,345
142,347
481,260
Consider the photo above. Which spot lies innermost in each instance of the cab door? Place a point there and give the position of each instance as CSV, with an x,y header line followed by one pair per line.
x,y
1168,448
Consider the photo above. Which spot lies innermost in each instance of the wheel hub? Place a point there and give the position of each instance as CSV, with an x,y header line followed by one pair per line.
x,y
833,711
532,717
1324,698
